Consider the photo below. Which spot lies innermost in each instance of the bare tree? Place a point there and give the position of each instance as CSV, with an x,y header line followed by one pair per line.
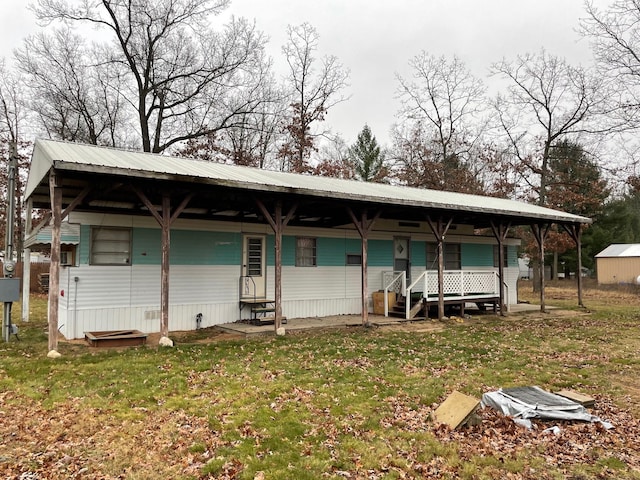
x,y
334,160
184,80
547,100
447,101
13,118
315,87
74,96
252,142
615,40
417,162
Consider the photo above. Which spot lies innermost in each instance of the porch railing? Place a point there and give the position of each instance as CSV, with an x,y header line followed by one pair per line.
x,y
393,282
457,284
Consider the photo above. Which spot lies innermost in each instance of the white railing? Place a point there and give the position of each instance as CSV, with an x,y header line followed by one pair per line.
x,y
424,279
456,284
393,282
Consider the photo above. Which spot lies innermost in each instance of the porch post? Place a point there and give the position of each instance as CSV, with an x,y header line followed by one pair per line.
x,y
164,219
540,232
277,224
26,263
575,231
55,191
500,232
439,230
164,268
364,226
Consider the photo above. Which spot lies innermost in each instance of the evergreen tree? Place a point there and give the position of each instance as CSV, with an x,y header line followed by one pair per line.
x,y
368,158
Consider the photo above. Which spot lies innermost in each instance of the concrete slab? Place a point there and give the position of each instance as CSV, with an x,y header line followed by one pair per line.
x,y
297,324
342,321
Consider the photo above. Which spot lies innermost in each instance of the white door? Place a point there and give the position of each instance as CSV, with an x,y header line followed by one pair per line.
x,y
254,262
401,255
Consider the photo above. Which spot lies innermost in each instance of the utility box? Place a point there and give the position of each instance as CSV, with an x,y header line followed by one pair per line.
x,y
9,289
378,301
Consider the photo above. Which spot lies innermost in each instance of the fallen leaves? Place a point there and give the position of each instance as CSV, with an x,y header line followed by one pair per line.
x,y
75,441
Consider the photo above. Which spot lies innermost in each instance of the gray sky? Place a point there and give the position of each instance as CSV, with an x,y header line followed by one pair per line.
x,y
375,39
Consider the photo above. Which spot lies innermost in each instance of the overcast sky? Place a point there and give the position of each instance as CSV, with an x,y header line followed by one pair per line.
x,y
375,39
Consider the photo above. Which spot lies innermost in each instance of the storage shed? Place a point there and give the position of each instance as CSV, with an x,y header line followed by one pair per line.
x,y
618,263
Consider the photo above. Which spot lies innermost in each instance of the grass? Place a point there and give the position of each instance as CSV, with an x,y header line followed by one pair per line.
x,y
351,403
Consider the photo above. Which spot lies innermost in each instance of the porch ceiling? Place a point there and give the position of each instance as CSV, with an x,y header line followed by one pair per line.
x,y
225,192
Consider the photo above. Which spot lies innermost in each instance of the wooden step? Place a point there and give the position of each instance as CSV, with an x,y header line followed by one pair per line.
x,y
263,309
270,320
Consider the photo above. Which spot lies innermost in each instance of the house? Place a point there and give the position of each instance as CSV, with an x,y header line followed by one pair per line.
x,y
619,263
164,241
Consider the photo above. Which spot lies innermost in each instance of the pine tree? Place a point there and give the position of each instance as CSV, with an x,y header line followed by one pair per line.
x,y
368,158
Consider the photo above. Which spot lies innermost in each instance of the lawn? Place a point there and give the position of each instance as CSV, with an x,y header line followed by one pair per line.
x,y
352,403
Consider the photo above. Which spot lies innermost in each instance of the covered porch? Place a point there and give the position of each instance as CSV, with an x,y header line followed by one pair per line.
x,y
69,178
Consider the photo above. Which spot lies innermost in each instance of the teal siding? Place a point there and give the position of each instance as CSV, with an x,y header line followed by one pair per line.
x,y
188,247
147,249
288,251
380,253
270,245
83,247
476,255
352,245
330,252
512,256
418,254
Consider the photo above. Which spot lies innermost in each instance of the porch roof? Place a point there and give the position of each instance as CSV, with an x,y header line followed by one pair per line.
x,y
233,189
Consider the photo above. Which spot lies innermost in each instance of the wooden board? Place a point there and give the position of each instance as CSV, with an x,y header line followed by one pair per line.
x,y
456,409
116,338
582,399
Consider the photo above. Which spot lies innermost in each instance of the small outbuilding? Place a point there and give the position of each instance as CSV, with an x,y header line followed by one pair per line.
x,y
618,263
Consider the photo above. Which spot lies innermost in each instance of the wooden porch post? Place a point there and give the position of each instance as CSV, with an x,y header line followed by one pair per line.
x,y
26,265
364,226
164,266
575,231
500,232
164,219
277,224
55,191
439,229
540,232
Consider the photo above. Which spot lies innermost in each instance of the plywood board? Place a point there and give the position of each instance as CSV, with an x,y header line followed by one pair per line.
x,y
582,399
456,409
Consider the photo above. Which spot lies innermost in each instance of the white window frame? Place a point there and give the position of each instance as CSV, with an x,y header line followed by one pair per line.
x,y
110,246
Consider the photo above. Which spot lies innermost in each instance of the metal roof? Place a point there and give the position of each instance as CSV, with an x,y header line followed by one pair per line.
x,y
620,250
92,159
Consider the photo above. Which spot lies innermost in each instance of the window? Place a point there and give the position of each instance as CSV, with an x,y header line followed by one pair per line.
x,y
254,257
67,257
452,257
354,259
495,256
305,252
110,246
